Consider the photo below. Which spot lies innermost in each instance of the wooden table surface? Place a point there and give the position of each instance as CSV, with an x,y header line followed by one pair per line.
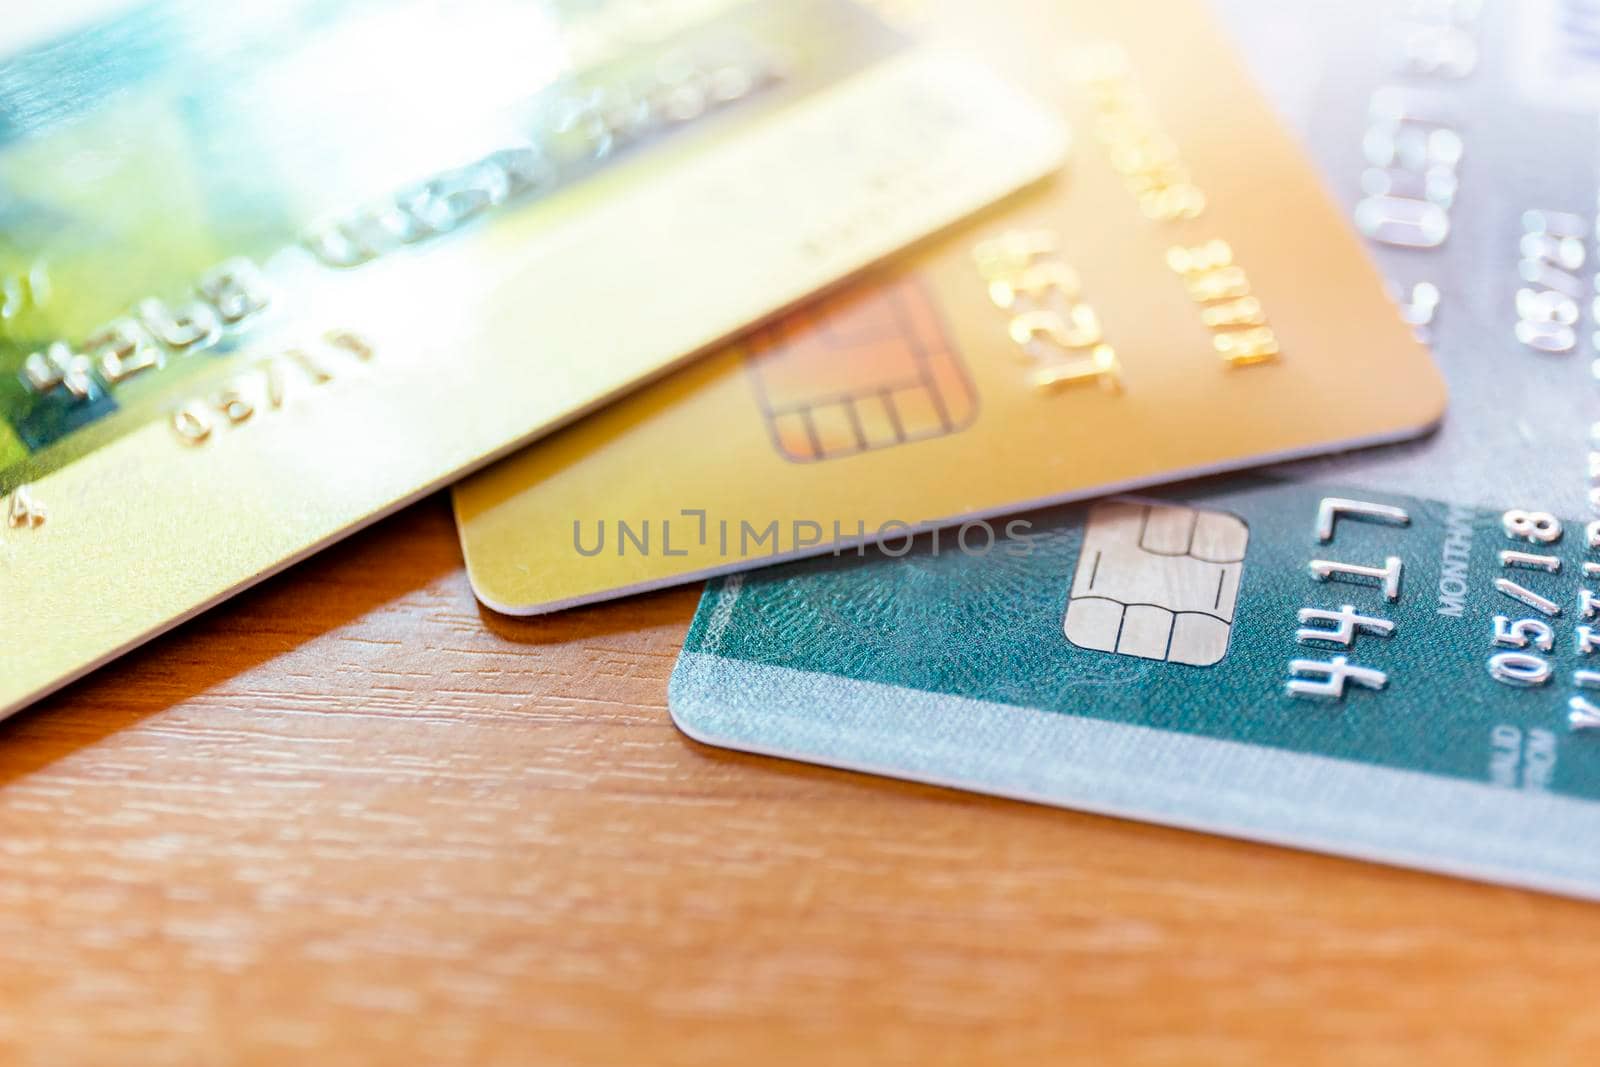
x,y
350,817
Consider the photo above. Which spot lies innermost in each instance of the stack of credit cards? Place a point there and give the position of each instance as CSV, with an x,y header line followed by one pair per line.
x,y
1389,655
1011,334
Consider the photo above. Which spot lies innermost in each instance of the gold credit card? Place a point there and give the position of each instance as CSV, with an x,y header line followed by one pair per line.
x,y
1184,299
270,270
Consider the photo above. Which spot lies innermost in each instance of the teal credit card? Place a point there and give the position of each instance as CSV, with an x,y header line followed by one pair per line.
x,y
1421,686
1393,655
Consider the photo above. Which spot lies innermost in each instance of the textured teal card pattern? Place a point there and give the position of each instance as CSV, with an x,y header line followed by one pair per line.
x,y
1441,727
1425,686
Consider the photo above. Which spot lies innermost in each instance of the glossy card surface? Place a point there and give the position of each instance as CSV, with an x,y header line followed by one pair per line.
x,y
1184,298
269,270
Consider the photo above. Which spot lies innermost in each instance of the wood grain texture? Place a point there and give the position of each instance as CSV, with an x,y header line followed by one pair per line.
x,y
351,818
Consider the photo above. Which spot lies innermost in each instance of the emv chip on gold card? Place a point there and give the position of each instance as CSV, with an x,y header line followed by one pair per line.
x,y
866,369
1184,299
